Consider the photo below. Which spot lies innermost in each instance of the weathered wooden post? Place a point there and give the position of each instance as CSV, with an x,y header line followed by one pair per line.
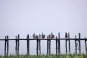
x,y
37,46
69,41
75,45
47,45
28,45
18,44
79,44
16,47
56,46
85,45
67,36
66,41
7,44
58,43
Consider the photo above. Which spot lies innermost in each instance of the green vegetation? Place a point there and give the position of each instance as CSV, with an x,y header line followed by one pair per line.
x,y
51,56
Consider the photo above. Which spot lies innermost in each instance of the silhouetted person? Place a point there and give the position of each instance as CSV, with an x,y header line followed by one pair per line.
x,y
66,35
39,36
43,36
35,36
51,35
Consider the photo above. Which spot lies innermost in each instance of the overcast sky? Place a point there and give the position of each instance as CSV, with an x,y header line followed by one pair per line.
x,y
36,16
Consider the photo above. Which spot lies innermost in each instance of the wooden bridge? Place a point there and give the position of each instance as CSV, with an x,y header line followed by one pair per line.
x,y
38,48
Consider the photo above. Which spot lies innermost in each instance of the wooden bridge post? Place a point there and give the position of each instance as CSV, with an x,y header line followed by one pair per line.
x,y
79,44
7,44
58,43
85,45
69,41
18,43
47,45
37,46
16,47
66,41
75,45
56,46
28,45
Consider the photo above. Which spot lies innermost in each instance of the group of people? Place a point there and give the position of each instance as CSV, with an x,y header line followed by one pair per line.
x,y
43,35
50,35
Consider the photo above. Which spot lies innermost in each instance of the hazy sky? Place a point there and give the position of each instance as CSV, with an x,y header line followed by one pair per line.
x,y
28,16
